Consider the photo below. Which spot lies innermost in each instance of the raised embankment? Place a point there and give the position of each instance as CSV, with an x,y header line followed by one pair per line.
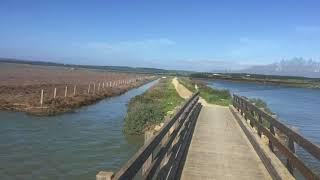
x,y
148,110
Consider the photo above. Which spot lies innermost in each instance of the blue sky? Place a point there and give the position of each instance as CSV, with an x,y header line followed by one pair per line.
x,y
192,35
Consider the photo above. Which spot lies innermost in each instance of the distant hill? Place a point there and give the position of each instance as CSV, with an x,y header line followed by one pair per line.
x,y
293,67
106,68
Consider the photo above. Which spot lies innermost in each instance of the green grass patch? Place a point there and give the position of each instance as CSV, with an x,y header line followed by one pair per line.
x,y
215,96
151,107
211,95
186,82
262,104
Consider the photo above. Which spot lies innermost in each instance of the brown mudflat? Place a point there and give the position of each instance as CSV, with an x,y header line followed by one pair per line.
x,y
21,85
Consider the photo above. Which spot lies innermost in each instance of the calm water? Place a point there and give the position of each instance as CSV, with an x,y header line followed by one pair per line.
x,y
297,107
69,146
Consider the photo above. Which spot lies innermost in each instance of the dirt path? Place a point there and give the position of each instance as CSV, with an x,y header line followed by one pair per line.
x,y
182,91
185,93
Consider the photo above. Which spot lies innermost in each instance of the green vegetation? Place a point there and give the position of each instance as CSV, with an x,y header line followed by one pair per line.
x,y
261,104
186,82
151,107
213,96
292,81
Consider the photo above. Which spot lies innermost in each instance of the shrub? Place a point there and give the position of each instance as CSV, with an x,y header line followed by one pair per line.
x,y
151,107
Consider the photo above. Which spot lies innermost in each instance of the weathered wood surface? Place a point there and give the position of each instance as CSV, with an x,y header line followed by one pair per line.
x,y
220,150
164,147
256,115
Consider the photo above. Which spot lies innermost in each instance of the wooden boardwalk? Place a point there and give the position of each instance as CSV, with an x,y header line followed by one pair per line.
x,y
220,150
206,141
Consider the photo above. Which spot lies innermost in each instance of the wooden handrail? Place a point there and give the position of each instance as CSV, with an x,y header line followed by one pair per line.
x,y
257,115
164,142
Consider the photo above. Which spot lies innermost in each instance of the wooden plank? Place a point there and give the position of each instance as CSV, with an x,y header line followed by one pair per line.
x,y
293,160
219,149
177,161
300,140
155,164
129,170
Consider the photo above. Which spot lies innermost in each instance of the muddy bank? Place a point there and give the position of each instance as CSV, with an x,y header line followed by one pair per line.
x,y
27,98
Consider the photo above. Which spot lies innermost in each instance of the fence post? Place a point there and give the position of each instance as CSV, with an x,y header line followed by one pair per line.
x,y
98,87
103,85
74,90
66,91
41,98
54,93
89,88
94,88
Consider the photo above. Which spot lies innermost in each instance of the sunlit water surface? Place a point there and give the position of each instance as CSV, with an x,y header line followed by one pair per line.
x,y
69,146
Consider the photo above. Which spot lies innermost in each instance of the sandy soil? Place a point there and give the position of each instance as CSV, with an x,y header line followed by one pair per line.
x,y
182,91
185,93
21,85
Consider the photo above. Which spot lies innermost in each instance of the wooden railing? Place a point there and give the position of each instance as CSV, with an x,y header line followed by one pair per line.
x,y
259,119
161,156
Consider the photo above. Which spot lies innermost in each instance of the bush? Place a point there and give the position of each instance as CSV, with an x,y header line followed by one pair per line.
x,y
141,114
261,104
215,96
151,107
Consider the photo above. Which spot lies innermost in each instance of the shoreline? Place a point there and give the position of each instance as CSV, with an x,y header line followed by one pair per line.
x,y
270,82
62,105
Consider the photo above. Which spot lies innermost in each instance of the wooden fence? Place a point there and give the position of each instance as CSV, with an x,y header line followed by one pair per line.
x,y
161,156
93,88
259,118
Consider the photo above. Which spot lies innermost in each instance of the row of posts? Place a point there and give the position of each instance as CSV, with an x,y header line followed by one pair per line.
x,y
92,87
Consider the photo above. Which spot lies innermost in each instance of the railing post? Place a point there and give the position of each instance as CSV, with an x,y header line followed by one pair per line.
x,y
261,123
147,135
271,128
242,108
238,104
253,116
291,147
104,175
